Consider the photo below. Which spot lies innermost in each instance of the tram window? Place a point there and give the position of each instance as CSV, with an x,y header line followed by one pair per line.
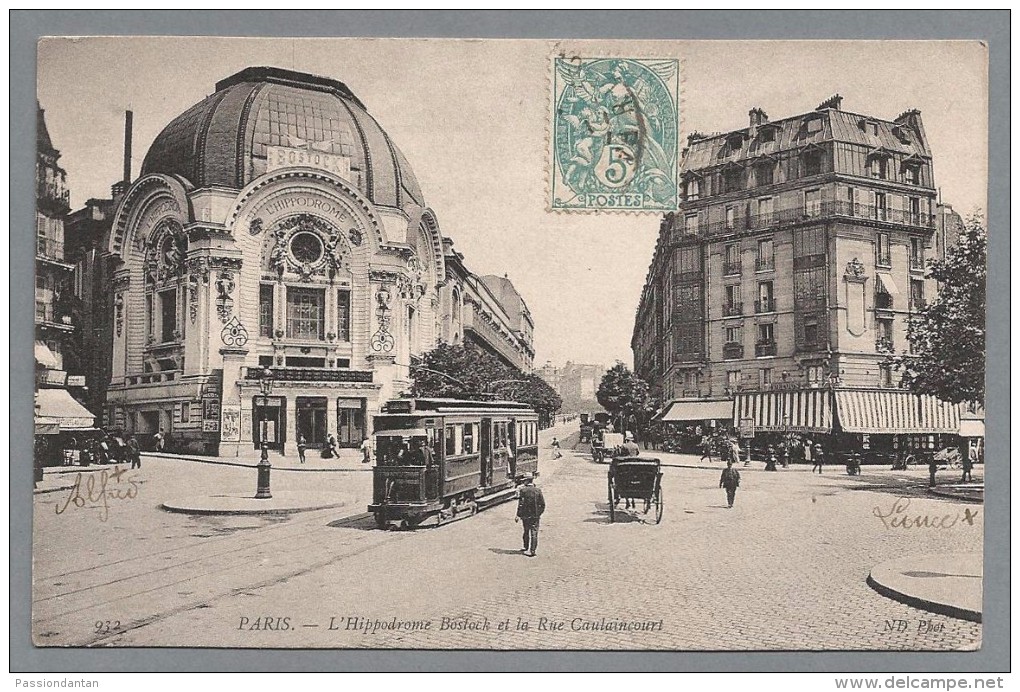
x,y
451,440
469,438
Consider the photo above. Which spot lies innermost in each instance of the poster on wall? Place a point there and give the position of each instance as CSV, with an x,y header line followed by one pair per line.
x,y
230,423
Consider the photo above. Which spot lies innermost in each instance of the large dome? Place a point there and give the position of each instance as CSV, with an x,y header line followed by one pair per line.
x,y
223,140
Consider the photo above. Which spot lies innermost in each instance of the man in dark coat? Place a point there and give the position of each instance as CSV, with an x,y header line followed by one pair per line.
x,y
530,506
134,452
730,480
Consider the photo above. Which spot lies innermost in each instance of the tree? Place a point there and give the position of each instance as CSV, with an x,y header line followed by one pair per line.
x,y
625,396
533,390
947,336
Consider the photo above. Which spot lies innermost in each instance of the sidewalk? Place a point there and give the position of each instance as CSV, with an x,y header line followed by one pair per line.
x,y
947,584
349,460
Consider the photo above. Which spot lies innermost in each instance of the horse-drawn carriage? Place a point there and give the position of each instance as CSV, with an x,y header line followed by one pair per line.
x,y
636,478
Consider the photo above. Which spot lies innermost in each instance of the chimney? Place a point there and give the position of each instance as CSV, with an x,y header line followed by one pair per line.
x,y
128,116
833,102
758,117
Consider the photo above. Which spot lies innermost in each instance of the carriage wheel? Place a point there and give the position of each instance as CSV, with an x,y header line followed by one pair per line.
x,y
612,502
658,500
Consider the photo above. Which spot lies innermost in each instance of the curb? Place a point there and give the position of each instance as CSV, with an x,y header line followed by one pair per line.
x,y
924,604
201,460
43,491
960,498
246,512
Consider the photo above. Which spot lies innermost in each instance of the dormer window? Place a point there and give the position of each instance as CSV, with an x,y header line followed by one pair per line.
x,y
869,127
901,134
732,180
735,141
767,134
764,173
692,189
913,175
811,161
813,125
878,167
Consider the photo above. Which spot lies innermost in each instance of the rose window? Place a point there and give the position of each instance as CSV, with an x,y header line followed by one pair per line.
x,y
306,248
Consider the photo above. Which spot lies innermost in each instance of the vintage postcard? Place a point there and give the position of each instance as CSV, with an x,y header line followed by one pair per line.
x,y
510,344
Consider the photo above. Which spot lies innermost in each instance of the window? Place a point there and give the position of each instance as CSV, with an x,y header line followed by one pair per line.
x,y
343,315
688,301
913,175
884,255
764,212
150,315
305,308
765,297
916,253
916,294
764,377
814,374
808,242
766,333
813,203
185,412
767,134
810,332
733,299
733,334
469,438
731,259
168,315
691,224
812,162
732,180
880,206
305,362
692,188
885,334
809,287
731,218
814,125
878,167
688,260
851,201
764,174
914,205
40,282
732,379
688,338
885,376
766,256
266,310
451,440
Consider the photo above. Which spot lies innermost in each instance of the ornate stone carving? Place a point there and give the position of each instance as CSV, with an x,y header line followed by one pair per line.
x,y
255,227
198,267
234,335
382,340
193,282
224,290
118,304
355,237
854,269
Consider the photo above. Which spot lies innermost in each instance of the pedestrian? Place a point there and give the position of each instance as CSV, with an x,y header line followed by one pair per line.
x,y
134,452
706,448
816,453
629,448
770,458
160,441
556,449
968,463
730,480
806,451
933,467
530,506
334,450
302,445
366,450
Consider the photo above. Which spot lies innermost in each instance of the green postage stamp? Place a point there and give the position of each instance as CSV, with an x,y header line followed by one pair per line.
x,y
614,134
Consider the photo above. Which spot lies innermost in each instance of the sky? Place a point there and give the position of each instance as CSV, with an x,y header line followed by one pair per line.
x,y
472,117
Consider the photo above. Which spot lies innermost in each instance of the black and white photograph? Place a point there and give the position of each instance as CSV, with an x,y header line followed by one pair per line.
x,y
510,345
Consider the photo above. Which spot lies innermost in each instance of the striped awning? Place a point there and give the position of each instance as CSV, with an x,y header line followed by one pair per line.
x,y
698,410
802,410
888,411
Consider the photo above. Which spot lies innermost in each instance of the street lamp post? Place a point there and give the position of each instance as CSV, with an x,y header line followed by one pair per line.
x,y
266,387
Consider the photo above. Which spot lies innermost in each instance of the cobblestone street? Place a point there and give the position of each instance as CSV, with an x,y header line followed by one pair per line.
x,y
786,568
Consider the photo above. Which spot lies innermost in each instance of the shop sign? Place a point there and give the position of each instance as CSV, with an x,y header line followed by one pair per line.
x,y
746,428
75,380
290,157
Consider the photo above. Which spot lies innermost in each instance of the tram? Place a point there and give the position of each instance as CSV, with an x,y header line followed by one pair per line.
x,y
437,460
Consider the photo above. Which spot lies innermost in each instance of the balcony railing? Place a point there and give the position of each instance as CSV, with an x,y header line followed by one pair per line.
x,y
800,213
53,193
288,374
732,351
733,310
917,304
764,348
916,263
730,268
883,301
763,264
884,344
49,248
765,305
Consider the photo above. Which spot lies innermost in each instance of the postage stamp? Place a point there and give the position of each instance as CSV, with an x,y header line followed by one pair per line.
x,y
614,134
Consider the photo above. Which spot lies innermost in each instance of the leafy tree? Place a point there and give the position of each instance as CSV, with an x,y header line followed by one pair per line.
x,y
947,336
533,390
625,396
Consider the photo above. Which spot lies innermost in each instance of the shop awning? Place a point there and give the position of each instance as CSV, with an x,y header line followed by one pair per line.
x,y
44,356
46,426
698,410
57,405
972,427
803,410
886,411
888,285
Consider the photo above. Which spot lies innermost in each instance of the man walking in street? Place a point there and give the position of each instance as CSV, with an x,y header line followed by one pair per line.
x,y
706,448
730,480
530,506
160,441
556,448
968,463
134,452
302,445
816,453
933,467
366,451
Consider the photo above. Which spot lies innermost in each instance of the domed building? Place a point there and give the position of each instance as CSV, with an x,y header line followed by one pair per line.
x,y
274,224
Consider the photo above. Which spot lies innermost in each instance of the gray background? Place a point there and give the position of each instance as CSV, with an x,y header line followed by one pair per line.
x,y
26,27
